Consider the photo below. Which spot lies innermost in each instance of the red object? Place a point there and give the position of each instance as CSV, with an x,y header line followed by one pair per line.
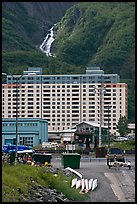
x,y
29,159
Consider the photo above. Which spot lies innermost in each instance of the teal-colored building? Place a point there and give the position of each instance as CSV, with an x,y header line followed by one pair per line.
x,y
31,131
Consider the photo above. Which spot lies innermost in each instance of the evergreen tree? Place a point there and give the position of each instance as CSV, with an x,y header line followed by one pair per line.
x,y
122,125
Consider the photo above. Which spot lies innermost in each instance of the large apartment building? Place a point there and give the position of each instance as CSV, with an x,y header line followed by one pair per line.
x,y
66,100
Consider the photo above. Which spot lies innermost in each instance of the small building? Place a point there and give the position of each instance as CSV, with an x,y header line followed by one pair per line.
x,y
84,130
31,131
91,130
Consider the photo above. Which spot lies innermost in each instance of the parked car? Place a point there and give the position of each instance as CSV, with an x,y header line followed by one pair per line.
x,y
115,153
119,139
131,137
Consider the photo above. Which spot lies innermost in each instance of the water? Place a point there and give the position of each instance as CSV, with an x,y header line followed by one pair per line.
x,y
46,45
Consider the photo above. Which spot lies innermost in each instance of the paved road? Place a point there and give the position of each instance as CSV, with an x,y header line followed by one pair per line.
x,y
114,185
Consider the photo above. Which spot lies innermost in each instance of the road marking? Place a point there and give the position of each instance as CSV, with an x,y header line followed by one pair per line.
x,y
115,185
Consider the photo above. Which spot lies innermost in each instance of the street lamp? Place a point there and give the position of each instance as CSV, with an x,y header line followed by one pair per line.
x,y
101,90
17,83
109,107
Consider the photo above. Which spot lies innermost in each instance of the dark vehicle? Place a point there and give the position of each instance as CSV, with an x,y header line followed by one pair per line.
x,y
115,154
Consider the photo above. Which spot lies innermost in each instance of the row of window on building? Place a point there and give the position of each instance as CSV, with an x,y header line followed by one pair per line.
x,y
63,79
19,124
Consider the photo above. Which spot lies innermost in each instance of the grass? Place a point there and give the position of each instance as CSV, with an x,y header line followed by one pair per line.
x,y
21,176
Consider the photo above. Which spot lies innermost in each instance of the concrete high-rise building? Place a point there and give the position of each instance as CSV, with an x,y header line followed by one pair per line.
x,y
66,100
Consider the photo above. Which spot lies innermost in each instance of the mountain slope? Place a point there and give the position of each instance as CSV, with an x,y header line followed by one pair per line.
x,y
26,23
102,34
98,33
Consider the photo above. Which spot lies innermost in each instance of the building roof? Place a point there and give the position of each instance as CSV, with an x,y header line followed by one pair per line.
x,y
92,124
69,130
23,120
89,123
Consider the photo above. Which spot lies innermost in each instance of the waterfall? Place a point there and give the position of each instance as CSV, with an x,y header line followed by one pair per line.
x,y
46,45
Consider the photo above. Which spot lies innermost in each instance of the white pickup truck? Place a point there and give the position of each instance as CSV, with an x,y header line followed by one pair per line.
x,y
49,144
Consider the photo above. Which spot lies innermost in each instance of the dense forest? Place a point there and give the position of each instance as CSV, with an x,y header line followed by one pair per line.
x,y
86,33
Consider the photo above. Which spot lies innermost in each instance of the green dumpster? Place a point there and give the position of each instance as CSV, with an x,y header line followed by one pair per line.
x,y
42,158
71,160
12,157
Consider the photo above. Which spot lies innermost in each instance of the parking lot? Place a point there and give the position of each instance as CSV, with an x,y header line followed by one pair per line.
x,y
114,185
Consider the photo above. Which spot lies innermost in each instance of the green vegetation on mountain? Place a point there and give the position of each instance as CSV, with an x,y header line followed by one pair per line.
x,y
90,33
102,34
18,61
14,38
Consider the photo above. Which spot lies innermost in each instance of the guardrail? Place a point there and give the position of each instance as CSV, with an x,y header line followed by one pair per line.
x,y
92,159
89,159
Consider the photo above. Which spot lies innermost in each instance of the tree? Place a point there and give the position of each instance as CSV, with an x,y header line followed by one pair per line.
x,y
122,125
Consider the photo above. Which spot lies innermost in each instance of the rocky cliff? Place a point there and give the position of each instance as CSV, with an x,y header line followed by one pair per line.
x,y
40,16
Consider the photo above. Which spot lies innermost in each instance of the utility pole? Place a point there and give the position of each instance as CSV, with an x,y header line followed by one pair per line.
x,y
100,125
17,83
17,94
101,90
108,128
16,121
41,96
80,120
